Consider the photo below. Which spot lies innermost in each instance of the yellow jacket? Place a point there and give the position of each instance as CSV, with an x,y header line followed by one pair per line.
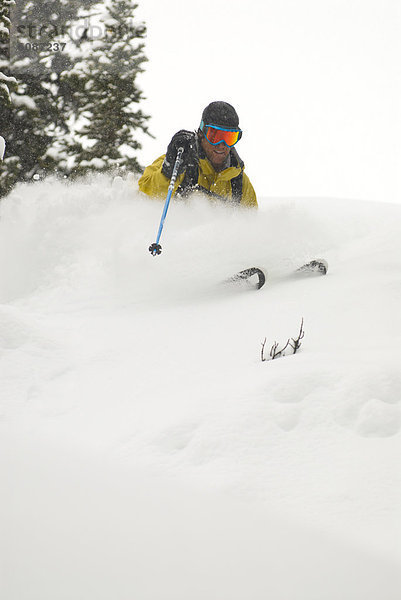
x,y
154,183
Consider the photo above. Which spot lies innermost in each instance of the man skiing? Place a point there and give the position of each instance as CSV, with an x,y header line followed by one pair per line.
x,y
210,163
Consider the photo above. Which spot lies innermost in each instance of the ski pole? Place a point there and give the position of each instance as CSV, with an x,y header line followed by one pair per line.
x,y
156,248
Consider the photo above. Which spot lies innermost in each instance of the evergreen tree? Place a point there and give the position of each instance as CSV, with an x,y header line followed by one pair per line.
x,y
7,82
52,59
107,95
35,120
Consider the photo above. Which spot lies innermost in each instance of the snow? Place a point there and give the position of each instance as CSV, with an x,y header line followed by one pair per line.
x,y
7,79
98,163
22,100
145,450
2,147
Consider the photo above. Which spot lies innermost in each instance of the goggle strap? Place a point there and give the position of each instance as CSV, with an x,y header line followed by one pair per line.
x,y
202,125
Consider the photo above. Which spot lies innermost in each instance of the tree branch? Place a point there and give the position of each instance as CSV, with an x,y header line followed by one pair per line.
x,y
276,352
297,342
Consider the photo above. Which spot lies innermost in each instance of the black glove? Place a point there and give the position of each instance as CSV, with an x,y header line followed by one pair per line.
x,y
182,139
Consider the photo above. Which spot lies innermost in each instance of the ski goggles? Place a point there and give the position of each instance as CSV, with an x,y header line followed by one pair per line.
x,y
216,135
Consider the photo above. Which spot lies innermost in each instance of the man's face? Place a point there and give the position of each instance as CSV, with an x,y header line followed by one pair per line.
x,y
217,155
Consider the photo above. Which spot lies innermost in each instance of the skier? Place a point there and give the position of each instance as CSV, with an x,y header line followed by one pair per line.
x,y
210,163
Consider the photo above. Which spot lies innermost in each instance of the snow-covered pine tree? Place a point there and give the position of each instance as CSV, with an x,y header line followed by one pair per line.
x,y
58,92
36,122
7,81
106,95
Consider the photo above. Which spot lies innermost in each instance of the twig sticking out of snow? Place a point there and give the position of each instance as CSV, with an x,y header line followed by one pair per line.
x,y
262,352
297,342
276,352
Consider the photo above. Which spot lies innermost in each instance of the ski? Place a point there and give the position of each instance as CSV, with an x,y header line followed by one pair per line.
x,y
318,265
257,277
248,274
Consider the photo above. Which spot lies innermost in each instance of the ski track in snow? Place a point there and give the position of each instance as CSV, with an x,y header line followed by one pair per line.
x,y
128,367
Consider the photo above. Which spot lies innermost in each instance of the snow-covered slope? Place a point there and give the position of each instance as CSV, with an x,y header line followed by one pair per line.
x,y
146,450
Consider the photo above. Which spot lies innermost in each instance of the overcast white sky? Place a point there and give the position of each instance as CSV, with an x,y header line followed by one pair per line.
x,y
316,84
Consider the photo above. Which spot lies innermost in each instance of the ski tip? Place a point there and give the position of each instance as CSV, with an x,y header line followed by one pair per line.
x,y
317,265
247,274
321,265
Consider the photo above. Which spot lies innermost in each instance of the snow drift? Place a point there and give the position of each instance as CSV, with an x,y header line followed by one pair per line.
x,y
147,452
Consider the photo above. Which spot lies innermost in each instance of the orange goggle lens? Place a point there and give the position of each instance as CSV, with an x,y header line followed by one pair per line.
x,y
216,135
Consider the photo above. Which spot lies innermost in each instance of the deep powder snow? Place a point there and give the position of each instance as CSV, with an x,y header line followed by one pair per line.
x,y
146,450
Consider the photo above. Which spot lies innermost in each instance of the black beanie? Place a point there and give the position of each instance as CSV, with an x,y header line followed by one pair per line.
x,y
221,114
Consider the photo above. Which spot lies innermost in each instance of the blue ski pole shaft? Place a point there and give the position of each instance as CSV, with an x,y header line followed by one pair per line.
x,y
156,248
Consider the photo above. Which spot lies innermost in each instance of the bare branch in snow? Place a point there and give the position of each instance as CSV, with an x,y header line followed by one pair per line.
x,y
262,352
277,352
297,342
